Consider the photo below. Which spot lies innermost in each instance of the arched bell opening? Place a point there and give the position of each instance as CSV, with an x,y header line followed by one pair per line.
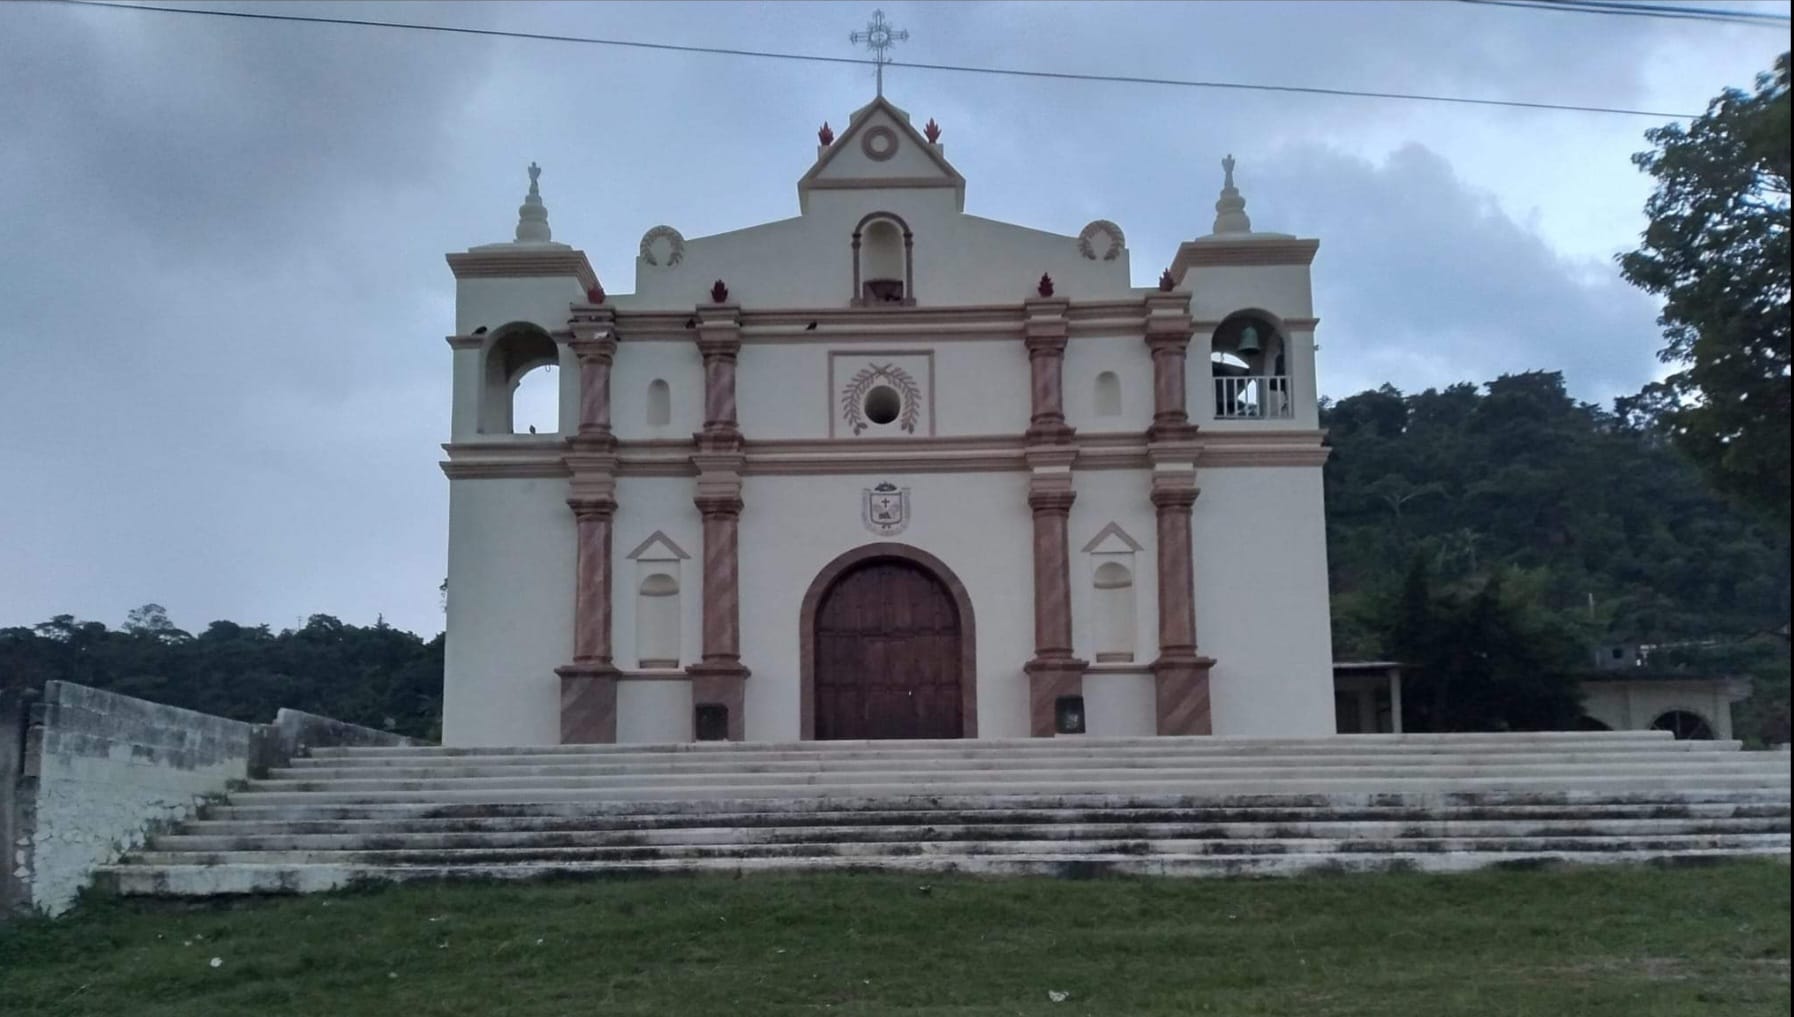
x,y
1249,360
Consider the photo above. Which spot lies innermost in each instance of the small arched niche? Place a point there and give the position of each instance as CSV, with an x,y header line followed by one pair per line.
x,y
657,621
660,404
520,388
883,262
1108,394
1114,596
1249,362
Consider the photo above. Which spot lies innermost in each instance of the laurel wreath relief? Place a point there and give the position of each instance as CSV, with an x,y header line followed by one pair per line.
x,y
854,396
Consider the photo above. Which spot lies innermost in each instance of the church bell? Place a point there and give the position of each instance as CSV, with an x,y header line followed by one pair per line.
x,y
1249,340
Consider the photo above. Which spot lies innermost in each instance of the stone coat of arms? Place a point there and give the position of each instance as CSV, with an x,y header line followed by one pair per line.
x,y
885,509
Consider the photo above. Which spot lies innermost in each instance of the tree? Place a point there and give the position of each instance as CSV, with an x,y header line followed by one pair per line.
x,y
1717,251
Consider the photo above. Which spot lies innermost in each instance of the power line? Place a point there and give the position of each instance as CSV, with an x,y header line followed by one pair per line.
x,y
1641,10
953,68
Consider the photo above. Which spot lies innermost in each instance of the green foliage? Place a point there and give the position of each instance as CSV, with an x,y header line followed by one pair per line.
x,y
1485,660
377,676
1620,538
1717,251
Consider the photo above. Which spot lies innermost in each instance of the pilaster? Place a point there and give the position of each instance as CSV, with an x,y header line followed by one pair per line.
x,y
1168,328
589,682
1180,674
1045,331
1052,672
717,680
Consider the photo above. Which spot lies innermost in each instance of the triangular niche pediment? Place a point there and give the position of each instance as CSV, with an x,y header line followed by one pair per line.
x,y
1112,539
658,547
881,149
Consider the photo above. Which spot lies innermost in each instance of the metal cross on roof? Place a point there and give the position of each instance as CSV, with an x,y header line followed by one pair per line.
x,y
879,37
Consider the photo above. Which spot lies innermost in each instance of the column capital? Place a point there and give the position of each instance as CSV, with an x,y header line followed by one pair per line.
x,y
1174,495
1045,345
718,504
594,349
1051,501
593,506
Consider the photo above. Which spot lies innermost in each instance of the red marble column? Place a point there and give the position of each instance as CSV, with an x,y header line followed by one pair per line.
x,y
719,678
1046,332
589,683
1168,336
1180,674
1053,672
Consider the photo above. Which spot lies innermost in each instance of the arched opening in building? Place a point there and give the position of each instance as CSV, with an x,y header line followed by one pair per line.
x,y
1686,725
657,622
660,404
520,392
1114,595
1108,394
883,262
887,648
1249,361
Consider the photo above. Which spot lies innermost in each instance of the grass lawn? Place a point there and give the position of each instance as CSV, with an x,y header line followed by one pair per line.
x,y
1599,942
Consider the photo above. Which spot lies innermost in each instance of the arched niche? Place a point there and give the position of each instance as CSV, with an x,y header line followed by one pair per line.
x,y
659,412
1107,395
657,620
520,383
883,262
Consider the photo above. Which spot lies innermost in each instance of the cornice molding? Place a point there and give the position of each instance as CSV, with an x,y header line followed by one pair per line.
x,y
1252,251
523,263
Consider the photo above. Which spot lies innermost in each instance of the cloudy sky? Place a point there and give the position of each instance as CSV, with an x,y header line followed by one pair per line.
x,y
222,293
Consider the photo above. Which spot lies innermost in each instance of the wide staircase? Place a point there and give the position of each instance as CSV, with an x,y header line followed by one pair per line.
x,y
1067,806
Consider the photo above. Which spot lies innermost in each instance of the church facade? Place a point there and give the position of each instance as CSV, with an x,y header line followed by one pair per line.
x,y
888,470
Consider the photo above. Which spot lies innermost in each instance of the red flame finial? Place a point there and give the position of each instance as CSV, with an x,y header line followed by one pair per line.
x,y
1166,283
1045,288
826,135
719,294
932,131
595,294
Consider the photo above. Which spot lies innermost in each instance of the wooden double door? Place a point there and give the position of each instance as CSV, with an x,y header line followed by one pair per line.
x,y
888,655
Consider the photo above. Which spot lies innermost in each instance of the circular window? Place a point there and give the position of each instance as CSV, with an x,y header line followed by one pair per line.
x,y
883,404
879,143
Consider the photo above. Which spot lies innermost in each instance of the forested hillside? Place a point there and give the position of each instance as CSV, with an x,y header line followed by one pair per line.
x,y
1608,529
1593,530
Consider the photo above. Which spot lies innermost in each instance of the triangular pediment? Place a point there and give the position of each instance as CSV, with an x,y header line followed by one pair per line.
x,y
880,149
1112,539
658,547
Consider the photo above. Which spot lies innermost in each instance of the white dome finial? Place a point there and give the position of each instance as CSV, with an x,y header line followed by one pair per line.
x,y
532,215
1230,208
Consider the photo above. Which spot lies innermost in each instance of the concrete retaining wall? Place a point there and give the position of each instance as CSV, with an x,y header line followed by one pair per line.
x,y
97,771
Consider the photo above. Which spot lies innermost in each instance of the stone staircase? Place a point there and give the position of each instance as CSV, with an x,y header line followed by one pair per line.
x,y
1067,806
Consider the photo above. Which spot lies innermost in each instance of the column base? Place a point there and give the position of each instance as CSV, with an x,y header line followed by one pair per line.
x,y
1048,679
1182,695
719,684
588,704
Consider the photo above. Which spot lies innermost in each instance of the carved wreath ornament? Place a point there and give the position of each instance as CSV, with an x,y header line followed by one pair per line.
x,y
675,245
853,397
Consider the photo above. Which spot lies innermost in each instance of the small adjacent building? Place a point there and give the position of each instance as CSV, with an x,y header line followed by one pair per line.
x,y
888,469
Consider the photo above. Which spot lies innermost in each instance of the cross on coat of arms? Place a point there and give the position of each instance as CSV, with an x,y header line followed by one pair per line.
x,y
885,509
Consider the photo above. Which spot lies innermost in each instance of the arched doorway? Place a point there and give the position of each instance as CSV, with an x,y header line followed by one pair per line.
x,y
887,648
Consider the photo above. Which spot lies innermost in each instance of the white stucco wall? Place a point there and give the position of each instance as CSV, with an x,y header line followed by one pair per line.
x,y
109,768
510,610
1261,600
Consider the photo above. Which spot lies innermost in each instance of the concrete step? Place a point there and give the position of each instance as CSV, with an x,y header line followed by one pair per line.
x,y
500,856
214,880
951,828
1451,742
560,818
1034,749
466,768
1107,782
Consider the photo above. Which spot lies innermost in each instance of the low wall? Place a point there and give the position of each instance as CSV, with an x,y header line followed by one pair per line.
x,y
100,771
